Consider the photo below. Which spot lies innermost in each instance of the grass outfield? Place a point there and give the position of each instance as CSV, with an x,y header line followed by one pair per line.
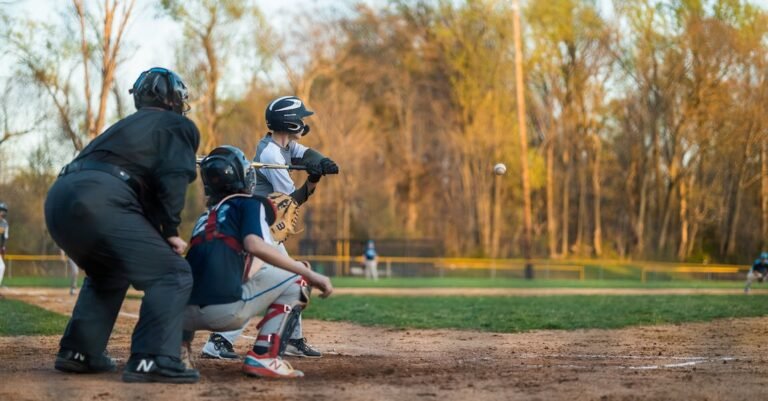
x,y
55,282
449,282
516,314
496,314
21,319
456,282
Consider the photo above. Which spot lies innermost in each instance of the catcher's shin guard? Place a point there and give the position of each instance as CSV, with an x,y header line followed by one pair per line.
x,y
278,340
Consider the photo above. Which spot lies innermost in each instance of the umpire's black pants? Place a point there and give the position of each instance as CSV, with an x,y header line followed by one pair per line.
x,y
98,221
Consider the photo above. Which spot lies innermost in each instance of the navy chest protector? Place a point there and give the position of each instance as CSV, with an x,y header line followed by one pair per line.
x,y
211,232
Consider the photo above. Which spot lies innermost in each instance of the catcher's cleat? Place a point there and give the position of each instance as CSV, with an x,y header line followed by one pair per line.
x,y
299,347
75,362
158,368
263,366
219,347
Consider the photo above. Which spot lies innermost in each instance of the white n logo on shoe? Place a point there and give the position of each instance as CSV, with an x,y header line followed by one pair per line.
x,y
79,357
145,365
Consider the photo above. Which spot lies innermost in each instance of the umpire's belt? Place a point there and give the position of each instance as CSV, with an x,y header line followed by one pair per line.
x,y
111,169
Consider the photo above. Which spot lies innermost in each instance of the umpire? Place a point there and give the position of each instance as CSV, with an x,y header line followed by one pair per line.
x,y
115,210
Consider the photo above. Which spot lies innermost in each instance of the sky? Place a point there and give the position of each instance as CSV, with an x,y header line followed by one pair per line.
x,y
154,38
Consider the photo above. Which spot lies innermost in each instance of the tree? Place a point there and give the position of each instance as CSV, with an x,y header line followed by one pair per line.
x,y
46,56
215,32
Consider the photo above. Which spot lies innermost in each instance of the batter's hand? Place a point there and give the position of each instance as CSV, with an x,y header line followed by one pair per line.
x,y
178,244
322,283
329,166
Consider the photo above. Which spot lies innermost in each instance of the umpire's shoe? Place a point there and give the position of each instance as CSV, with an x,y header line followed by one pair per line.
x,y
158,368
71,361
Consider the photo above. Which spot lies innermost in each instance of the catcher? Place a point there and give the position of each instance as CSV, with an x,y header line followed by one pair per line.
x,y
758,271
284,117
225,294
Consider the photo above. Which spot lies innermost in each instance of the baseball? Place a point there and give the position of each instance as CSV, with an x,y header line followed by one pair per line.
x,y
500,169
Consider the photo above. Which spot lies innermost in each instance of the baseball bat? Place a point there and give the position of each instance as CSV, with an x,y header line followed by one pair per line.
x,y
268,165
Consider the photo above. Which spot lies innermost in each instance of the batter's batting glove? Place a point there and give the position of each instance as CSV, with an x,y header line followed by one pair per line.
x,y
314,169
329,166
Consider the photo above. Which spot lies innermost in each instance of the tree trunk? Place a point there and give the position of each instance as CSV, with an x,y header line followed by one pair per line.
x,y
731,248
764,190
496,220
597,235
564,220
551,217
581,220
85,52
667,206
683,248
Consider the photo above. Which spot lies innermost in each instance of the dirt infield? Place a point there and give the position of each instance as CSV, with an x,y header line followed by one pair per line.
x,y
720,360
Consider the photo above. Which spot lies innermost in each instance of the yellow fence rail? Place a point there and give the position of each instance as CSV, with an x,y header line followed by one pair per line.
x,y
688,269
344,265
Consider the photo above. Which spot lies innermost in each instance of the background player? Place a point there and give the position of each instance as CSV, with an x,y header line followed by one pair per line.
x,y
72,271
370,258
285,119
758,271
223,297
3,238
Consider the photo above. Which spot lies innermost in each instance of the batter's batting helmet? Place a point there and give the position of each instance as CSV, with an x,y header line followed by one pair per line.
x,y
3,207
285,114
226,171
160,87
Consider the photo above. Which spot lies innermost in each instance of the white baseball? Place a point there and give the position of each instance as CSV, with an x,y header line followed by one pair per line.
x,y
500,169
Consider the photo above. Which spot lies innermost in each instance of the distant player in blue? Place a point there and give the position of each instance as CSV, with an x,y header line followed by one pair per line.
x,y
371,261
229,289
759,271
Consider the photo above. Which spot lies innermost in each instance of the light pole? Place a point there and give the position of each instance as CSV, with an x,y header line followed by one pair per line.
x,y
520,91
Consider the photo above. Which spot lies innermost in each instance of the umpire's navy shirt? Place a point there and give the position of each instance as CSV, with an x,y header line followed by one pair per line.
x,y
218,269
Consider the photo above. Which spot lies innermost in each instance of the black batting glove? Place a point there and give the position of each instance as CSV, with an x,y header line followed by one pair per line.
x,y
329,166
314,169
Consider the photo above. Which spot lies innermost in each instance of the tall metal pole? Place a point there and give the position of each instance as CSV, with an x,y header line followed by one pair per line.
x,y
520,89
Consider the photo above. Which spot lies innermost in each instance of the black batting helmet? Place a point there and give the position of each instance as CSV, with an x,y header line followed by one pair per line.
x,y
160,87
227,171
285,114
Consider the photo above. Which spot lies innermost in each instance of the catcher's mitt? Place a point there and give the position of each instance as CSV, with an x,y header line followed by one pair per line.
x,y
286,216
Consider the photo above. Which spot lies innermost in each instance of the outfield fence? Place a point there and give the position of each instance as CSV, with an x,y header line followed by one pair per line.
x,y
54,266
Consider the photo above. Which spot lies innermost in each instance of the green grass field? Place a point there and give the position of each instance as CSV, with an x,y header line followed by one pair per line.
x,y
450,282
516,314
21,319
54,282
457,282
495,314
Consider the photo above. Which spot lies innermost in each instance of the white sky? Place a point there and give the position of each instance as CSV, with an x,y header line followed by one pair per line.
x,y
154,38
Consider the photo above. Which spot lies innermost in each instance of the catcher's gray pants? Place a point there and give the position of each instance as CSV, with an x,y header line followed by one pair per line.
x,y
267,286
98,221
232,335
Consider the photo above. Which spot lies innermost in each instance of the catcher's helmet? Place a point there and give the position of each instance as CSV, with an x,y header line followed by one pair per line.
x,y
3,207
226,171
764,255
285,114
160,87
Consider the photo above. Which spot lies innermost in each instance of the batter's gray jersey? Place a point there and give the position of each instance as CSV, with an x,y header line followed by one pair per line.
x,y
276,180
